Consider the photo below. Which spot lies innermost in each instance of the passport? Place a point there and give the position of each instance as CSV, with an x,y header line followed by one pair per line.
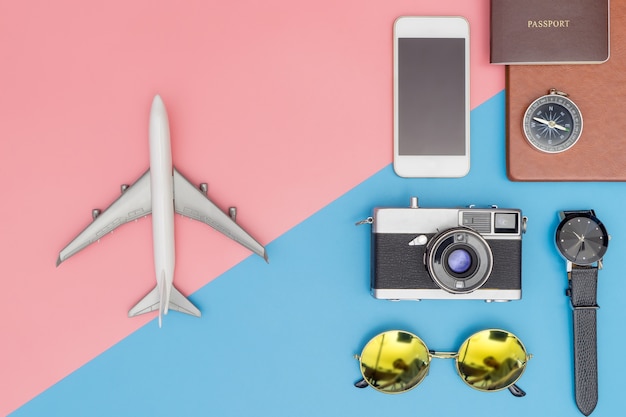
x,y
600,93
549,31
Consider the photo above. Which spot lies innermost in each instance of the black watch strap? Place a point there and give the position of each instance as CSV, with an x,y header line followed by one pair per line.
x,y
583,294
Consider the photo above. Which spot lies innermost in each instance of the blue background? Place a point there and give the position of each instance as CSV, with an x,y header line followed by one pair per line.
x,y
279,339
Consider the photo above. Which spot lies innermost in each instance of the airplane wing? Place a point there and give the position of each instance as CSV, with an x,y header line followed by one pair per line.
x,y
135,202
191,202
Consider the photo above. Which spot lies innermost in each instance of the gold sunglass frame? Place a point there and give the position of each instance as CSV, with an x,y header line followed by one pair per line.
x,y
516,360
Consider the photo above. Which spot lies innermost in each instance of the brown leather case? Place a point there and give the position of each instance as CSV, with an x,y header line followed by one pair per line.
x,y
549,31
599,91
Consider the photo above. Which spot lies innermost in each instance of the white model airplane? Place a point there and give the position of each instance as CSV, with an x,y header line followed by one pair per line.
x,y
161,191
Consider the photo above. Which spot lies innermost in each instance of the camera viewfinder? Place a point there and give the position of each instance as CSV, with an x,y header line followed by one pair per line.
x,y
506,223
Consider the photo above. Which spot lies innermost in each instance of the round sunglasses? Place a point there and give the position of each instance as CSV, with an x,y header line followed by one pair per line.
x,y
396,361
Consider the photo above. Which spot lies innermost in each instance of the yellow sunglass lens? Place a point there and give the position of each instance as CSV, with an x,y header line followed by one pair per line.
x,y
491,360
394,361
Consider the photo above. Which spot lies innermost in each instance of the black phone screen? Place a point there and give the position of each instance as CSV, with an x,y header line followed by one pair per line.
x,y
431,96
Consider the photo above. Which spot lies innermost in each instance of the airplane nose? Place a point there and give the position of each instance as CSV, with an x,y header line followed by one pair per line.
x,y
158,113
157,104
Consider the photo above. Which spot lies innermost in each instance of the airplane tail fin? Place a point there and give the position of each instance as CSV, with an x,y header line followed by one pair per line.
x,y
151,302
155,300
179,302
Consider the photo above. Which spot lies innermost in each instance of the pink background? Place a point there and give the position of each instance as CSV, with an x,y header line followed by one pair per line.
x,y
280,106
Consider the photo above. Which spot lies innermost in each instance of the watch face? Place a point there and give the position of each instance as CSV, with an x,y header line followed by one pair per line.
x,y
582,238
552,123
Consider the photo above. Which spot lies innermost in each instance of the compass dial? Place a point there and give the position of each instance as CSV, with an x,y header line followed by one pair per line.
x,y
553,123
582,239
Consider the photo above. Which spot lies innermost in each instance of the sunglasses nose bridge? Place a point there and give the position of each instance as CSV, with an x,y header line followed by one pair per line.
x,y
443,355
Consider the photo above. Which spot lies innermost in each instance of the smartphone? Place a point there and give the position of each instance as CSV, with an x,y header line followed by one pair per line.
x,y
431,134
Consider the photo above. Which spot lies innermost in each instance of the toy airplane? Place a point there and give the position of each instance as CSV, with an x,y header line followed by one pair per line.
x,y
161,191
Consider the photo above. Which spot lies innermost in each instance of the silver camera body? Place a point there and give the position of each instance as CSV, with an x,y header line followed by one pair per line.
x,y
447,253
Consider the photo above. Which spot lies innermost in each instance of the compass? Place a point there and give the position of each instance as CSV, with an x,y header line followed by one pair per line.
x,y
553,123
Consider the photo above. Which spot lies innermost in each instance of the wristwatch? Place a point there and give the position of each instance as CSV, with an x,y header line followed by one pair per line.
x,y
583,240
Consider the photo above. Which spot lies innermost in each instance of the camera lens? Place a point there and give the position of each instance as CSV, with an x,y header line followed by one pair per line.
x,y
459,261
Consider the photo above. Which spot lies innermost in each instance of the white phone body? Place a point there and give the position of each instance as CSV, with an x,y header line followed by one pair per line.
x,y
431,116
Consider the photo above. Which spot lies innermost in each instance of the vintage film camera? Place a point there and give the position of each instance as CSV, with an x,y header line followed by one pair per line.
x,y
447,253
